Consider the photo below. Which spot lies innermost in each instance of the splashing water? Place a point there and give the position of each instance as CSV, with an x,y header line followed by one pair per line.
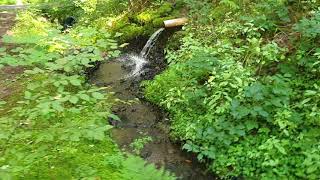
x,y
138,63
151,42
140,60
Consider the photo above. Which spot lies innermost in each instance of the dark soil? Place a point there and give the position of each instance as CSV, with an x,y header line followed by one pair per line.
x,y
7,20
141,118
8,75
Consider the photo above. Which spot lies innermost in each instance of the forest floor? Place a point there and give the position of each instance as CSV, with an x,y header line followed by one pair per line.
x,y
7,74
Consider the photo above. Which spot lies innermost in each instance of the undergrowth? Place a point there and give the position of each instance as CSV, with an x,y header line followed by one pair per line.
x,y
243,88
122,18
56,127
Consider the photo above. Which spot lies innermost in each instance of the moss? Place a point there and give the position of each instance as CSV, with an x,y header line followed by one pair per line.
x,y
119,23
165,9
130,31
180,4
145,17
153,18
16,94
141,23
149,15
77,160
158,22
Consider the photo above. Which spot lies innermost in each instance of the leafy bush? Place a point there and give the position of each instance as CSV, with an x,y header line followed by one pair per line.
x,y
243,93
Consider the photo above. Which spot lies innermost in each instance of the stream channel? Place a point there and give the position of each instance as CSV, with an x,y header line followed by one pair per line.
x,y
140,119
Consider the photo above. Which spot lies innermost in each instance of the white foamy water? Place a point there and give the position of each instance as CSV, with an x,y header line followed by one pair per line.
x,y
139,61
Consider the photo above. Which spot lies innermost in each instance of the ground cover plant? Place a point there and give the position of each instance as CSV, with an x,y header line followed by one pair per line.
x,y
55,126
242,87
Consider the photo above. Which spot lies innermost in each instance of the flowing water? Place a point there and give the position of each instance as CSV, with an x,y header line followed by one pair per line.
x,y
150,44
142,119
139,61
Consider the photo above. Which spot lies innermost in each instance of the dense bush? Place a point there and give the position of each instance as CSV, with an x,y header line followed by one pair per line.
x,y
243,89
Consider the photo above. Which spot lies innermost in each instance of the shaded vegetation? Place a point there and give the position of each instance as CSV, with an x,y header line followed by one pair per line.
x,y
243,88
55,126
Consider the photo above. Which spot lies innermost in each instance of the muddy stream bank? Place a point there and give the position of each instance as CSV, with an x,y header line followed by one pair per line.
x,y
141,119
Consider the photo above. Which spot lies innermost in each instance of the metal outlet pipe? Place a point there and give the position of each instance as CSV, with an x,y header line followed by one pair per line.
x,y
175,22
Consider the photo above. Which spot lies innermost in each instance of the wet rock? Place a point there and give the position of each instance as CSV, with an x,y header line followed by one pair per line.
x,y
145,154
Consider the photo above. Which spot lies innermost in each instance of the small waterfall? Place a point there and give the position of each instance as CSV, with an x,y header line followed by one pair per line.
x,y
140,60
151,42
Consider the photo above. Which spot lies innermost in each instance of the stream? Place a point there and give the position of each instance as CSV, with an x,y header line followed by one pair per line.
x,y
140,119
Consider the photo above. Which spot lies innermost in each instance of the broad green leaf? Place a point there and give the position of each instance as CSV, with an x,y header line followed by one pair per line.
x,y
97,95
114,117
75,82
74,99
27,94
57,106
84,97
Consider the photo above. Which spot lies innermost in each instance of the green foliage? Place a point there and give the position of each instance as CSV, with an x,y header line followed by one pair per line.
x,y
131,31
72,53
143,22
242,90
149,15
60,118
7,2
138,144
115,16
309,30
88,10
57,129
136,168
309,27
